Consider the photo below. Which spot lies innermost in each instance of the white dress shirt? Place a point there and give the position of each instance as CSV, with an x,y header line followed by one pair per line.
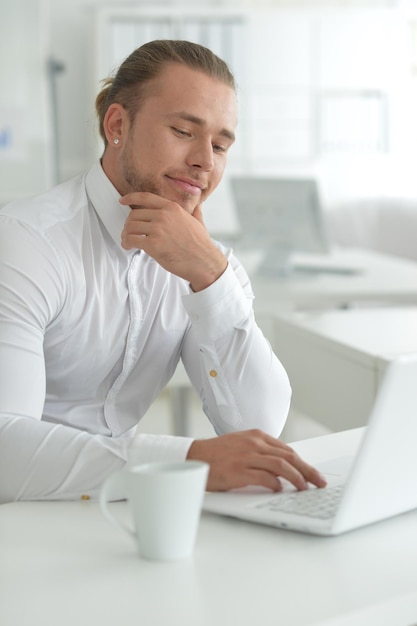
x,y
91,333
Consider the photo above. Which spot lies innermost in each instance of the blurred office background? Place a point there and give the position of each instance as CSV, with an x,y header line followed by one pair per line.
x,y
327,88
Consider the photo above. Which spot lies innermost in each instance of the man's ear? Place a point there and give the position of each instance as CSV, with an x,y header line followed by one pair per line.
x,y
115,124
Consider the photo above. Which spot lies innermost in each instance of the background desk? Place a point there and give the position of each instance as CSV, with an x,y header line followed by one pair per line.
x,y
380,279
63,564
336,359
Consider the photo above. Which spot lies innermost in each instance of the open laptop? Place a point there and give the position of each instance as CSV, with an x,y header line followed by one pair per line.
x,y
378,483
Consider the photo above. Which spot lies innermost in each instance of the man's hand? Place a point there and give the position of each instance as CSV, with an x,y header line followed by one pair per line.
x,y
177,240
252,458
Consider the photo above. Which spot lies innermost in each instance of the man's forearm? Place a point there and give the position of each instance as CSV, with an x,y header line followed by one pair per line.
x,y
43,461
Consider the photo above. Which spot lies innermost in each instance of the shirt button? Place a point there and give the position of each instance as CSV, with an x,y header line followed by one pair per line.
x,y
213,373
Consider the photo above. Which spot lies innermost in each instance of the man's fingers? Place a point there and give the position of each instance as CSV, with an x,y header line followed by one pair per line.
x,y
309,473
263,479
141,199
251,457
279,466
293,460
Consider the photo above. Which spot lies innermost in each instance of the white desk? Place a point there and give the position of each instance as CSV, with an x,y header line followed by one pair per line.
x,y
381,279
63,564
336,359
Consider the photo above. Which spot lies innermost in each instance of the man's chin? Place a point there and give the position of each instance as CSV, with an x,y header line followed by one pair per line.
x,y
187,201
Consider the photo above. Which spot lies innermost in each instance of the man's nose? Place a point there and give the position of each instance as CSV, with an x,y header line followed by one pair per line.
x,y
201,156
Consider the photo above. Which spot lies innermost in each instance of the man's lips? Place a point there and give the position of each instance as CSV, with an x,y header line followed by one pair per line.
x,y
194,187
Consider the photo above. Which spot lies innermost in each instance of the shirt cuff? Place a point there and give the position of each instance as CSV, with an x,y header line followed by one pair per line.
x,y
158,448
223,305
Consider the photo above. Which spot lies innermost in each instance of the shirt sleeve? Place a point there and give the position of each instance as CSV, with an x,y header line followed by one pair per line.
x,y
41,460
241,381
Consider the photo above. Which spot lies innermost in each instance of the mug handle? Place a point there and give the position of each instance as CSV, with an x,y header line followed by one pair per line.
x,y
113,484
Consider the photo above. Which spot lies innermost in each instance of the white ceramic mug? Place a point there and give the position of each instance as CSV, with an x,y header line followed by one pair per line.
x,y
165,500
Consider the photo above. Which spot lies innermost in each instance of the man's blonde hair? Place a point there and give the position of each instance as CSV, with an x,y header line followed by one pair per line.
x,y
145,63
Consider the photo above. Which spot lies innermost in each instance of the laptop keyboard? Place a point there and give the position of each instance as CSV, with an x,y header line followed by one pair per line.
x,y
320,503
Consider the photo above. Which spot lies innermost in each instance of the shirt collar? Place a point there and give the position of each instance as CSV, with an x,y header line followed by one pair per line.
x,y
105,200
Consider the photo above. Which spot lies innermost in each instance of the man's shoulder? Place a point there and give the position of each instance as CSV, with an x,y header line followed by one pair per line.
x,y
58,205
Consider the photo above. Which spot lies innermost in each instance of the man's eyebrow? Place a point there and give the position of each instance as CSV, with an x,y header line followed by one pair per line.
x,y
189,117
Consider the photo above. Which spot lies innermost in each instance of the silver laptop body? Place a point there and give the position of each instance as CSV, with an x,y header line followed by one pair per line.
x,y
378,483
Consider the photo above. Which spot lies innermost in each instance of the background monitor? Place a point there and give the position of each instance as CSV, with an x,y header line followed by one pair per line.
x,y
278,217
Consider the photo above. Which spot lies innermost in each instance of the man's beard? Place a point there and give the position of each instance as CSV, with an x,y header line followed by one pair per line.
x,y
135,182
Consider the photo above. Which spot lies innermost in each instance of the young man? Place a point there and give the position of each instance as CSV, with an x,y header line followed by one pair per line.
x,y
109,279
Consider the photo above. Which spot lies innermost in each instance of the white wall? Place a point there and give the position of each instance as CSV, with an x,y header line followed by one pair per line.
x,y
73,43
291,68
25,137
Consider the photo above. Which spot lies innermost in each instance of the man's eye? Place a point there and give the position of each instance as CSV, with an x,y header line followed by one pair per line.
x,y
181,133
219,149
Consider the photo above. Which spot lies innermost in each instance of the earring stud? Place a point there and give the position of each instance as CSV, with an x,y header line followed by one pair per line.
x,y
116,141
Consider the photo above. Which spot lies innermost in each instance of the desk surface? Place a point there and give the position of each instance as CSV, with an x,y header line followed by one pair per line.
x,y
364,334
63,563
382,279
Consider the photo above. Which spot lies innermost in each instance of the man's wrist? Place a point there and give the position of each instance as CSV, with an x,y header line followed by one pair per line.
x,y
210,276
